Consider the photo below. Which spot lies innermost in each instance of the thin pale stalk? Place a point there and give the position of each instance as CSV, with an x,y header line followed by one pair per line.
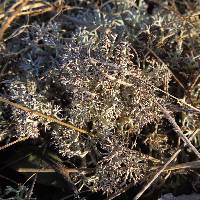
x,y
39,114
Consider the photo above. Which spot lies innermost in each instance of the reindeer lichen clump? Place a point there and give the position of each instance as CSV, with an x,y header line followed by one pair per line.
x,y
105,81
101,90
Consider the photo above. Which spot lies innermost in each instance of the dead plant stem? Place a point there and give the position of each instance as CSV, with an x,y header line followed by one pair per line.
x,y
157,175
44,116
10,19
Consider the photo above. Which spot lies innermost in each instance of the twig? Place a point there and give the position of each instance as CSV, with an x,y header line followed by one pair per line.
x,y
12,18
159,185
47,117
180,101
195,81
14,142
60,168
32,187
51,170
29,178
23,8
188,165
34,170
177,129
38,8
157,175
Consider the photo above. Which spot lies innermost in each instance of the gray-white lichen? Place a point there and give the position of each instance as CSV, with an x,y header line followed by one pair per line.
x,y
100,87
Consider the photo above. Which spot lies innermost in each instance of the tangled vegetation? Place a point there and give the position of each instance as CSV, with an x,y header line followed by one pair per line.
x,y
99,99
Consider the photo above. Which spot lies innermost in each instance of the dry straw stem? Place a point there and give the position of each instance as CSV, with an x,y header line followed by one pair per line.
x,y
65,169
59,168
177,129
10,19
46,117
188,165
37,8
195,82
30,193
180,101
14,142
157,175
182,166
43,170
24,7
